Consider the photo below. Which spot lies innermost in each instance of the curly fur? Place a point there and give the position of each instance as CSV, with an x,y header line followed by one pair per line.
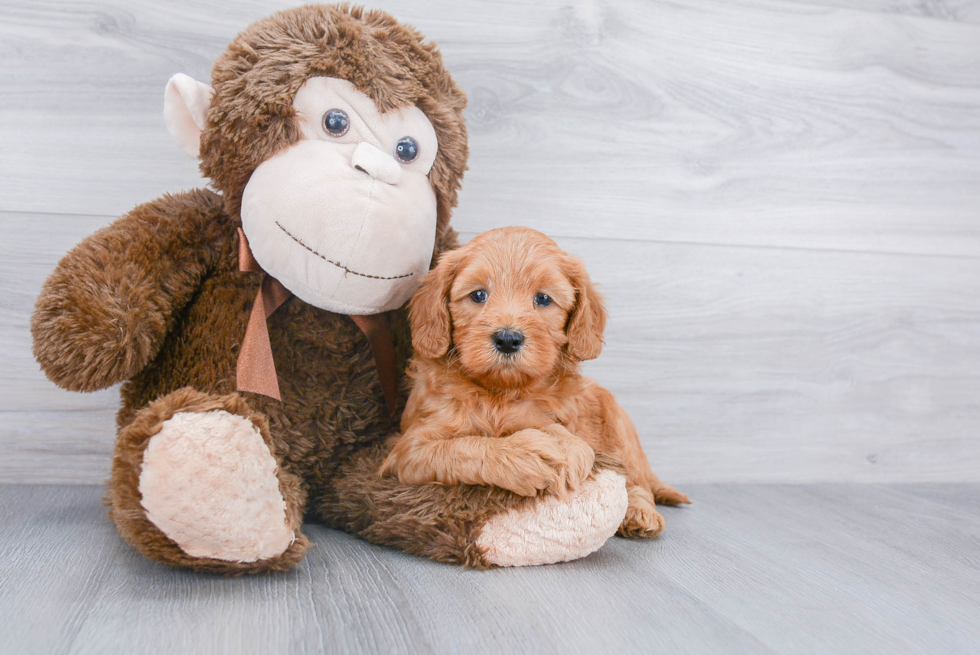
x,y
526,421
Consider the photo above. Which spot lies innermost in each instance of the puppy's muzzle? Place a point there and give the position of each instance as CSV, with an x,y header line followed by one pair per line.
x,y
508,341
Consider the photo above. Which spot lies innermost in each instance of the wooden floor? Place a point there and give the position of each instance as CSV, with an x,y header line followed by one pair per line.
x,y
746,569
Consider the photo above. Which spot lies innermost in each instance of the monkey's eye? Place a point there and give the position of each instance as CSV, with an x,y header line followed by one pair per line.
x,y
407,149
336,122
542,300
479,296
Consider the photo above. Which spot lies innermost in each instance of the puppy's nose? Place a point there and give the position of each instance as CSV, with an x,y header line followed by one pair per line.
x,y
508,341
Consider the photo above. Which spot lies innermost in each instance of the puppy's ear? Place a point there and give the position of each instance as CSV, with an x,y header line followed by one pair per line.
x,y
428,312
588,318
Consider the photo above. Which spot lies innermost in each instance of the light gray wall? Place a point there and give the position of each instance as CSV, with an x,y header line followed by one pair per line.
x,y
780,199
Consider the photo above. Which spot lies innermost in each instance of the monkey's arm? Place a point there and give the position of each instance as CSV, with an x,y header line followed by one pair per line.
x,y
103,313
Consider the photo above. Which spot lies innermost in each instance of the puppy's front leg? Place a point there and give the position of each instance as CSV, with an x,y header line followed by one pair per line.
x,y
425,454
525,462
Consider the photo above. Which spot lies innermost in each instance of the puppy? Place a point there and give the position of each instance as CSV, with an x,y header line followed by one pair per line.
x,y
499,327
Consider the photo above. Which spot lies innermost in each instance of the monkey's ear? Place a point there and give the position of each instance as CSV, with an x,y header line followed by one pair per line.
x,y
428,312
587,321
185,110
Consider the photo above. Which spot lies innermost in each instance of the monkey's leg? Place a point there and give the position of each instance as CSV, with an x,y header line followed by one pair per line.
x,y
195,483
476,526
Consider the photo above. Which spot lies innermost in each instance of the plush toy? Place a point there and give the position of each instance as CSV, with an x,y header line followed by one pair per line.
x,y
259,329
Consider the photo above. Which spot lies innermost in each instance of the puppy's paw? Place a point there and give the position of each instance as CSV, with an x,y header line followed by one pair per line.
x,y
398,463
529,463
642,520
641,523
579,456
537,461
390,467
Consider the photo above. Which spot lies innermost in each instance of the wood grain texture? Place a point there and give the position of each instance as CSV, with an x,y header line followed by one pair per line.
x,y
736,364
779,198
47,435
765,123
963,11
746,569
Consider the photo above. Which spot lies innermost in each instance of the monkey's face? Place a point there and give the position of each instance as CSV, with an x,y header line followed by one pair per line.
x,y
346,217
317,134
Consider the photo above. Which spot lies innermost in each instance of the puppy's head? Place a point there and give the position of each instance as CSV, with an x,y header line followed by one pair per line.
x,y
512,305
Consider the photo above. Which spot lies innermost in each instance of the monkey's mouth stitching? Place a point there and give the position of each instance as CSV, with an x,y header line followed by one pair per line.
x,y
337,264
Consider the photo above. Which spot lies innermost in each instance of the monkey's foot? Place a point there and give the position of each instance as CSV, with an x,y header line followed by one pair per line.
x,y
555,530
209,483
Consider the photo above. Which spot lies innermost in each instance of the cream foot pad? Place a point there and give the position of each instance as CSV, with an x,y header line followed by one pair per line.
x,y
557,530
209,483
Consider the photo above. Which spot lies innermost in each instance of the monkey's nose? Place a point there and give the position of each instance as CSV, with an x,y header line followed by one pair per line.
x,y
375,163
508,341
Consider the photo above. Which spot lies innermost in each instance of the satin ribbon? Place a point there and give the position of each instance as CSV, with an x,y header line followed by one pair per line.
x,y
256,367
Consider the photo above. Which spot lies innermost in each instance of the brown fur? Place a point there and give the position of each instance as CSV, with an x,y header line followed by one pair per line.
x,y
256,79
124,499
156,301
527,422
435,521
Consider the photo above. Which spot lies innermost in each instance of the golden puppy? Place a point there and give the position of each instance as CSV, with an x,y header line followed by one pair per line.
x,y
499,327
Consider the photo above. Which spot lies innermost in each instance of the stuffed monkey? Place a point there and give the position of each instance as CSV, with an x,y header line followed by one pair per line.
x,y
259,329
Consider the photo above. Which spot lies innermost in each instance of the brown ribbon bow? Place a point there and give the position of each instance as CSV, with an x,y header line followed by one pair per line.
x,y
257,369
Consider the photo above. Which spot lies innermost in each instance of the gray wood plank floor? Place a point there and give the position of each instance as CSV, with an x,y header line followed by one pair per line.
x,y
746,569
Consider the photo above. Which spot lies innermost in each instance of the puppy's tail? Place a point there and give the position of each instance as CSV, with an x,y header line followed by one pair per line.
x,y
667,495
663,493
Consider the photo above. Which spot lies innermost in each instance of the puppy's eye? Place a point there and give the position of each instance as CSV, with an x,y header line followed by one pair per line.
x,y
479,296
336,122
542,300
407,149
